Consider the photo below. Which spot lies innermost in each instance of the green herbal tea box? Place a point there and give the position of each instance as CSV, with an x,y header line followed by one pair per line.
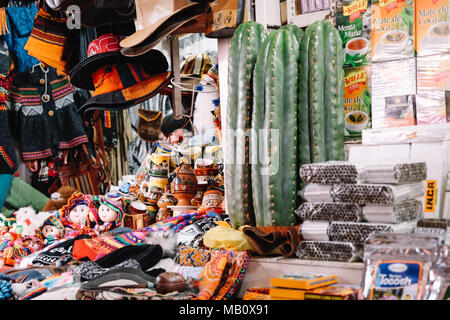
x,y
393,93
392,29
357,100
353,23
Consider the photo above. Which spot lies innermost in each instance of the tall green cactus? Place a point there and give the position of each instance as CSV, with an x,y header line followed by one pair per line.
x,y
244,49
274,130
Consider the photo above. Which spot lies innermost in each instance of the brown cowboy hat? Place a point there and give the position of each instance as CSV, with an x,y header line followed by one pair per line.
x,y
151,29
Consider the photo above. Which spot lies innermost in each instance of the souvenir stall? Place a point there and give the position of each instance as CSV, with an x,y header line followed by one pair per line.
x,y
224,150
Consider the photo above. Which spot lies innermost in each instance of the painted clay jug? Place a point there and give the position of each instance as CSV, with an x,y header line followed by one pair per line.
x,y
184,184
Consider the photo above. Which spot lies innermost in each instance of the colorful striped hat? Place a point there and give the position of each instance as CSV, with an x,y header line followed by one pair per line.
x,y
53,221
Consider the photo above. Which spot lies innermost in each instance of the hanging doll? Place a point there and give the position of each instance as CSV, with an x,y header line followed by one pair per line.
x,y
51,230
78,214
109,213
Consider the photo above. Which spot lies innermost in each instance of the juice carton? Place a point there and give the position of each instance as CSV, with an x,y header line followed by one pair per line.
x,y
353,24
357,100
392,30
432,27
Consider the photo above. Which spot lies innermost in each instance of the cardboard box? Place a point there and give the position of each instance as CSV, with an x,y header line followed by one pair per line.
x,y
393,93
433,80
432,27
224,17
353,24
291,294
357,100
435,155
303,281
392,30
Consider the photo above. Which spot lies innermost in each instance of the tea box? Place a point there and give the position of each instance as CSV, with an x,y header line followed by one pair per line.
x,y
393,93
308,6
353,24
432,27
433,80
357,100
392,29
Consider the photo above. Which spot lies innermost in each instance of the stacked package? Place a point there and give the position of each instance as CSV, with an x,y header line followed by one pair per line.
x,y
346,202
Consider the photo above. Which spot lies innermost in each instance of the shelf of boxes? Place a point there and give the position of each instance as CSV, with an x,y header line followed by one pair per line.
x,y
261,269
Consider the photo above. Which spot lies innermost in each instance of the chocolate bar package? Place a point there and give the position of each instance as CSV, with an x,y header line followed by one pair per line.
x,y
384,194
398,266
358,232
396,213
434,227
329,251
329,211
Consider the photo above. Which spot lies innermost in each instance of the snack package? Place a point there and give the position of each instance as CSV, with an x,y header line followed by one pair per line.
x,y
329,251
432,27
393,93
314,230
357,100
394,172
434,227
329,172
329,211
358,232
433,81
333,292
315,192
384,194
400,212
398,266
353,24
392,30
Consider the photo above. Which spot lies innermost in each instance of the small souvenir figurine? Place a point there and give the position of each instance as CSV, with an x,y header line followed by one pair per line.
x,y
78,214
109,213
52,229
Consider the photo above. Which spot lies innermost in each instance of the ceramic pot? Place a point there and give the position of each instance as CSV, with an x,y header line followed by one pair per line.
x,y
197,200
184,184
167,199
212,199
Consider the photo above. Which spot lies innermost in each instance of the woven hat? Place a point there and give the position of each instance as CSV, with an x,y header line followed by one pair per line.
x,y
152,28
52,43
105,51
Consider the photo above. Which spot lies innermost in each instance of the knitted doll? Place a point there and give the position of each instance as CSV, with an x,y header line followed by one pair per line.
x,y
109,213
76,215
51,230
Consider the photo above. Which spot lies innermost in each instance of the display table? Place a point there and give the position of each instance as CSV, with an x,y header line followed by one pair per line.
x,y
261,269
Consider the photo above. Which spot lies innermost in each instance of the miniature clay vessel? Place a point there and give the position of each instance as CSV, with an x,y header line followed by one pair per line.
x,y
184,185
212,199
197,200
167,199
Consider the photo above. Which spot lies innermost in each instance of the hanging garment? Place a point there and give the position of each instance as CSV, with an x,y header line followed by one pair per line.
x,y
8,158
46,113
20,24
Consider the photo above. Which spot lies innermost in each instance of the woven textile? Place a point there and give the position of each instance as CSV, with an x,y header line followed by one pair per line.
x,y
192,257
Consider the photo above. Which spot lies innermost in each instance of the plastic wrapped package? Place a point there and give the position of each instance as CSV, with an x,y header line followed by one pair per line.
x,y
433,80
358,232
435,227
376,193
314,231
314,192
329,172
394,173
329,211
399,212
329,251
393,90
342,172
398,266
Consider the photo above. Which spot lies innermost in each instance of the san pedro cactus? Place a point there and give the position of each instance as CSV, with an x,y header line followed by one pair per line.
x,y
274,130
244,49
322,94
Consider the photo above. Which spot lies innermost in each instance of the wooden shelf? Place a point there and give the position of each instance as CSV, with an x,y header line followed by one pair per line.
x,y
306,19
261,269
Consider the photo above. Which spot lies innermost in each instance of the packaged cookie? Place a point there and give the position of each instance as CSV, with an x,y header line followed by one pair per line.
x,y
329,211
329,251
396,213
329,172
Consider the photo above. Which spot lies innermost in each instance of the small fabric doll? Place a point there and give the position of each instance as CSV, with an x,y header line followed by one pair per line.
x,y
76,215
109,213
51,230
